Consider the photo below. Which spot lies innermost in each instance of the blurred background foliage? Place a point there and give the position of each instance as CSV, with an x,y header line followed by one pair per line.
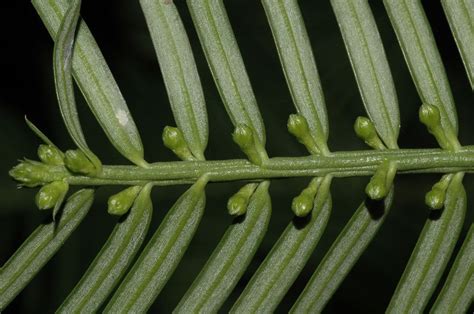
x,y
119,27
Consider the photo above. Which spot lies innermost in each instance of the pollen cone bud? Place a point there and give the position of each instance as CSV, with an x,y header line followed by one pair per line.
x,y
50,155
238,203
77,162
29,173
243,136
365,130
429,115
50,194
297,126
302,204
121,202
173,139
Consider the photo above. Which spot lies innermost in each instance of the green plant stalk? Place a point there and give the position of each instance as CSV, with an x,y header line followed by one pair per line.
x,y
338,164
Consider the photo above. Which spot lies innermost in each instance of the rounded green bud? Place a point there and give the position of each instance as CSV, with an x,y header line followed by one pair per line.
x,y
30,173
376,189
77,161
429,115
50,155
121,202
237,205
172,137
243,136
298,126
50,194
302,204
364,128
435,198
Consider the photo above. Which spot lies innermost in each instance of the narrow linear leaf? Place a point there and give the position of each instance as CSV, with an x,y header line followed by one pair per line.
x,y
227,67
370,66
431,253
296,56
287,258
41,245
38,133
343,254
162,254
62,64
460,14
96,82
230,259
421,54
114,258
458,290
179,72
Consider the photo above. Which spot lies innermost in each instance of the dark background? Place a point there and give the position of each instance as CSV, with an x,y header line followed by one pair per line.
x,y
119,28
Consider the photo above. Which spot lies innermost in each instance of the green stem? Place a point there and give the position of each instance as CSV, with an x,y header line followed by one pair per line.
x,y
338,164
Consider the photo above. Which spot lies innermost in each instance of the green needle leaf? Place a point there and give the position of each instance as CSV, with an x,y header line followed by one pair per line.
x,y
41,245
96,83
287,258
460,14
113,260
431,253
62,61
369,62
423,59
299,65
179,72
231,257
343,254
162,254
458,290
227,67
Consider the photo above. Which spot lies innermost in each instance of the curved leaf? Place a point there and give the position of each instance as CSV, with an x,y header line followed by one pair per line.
x,y
423,59
299,66
179,72
431,253
96,83
41,245
230,259
162,254
62,63
369,62
458,290
287,258
227,67
113,259
460,14
343,254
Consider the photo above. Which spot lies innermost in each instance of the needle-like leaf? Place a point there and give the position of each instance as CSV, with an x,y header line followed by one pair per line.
x,y
421,54
231,257
287,258
179,72
162,254
227,67
114,258
367,55
431,253
343,254
299,65
62,66
458,290
96,82
41,245
460,14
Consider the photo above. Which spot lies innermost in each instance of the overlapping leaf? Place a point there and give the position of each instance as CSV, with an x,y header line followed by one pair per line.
x,y
41,245
96,83
110,264
179,72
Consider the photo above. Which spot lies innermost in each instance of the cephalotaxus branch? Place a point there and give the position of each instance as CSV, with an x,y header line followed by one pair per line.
x,y
337,164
